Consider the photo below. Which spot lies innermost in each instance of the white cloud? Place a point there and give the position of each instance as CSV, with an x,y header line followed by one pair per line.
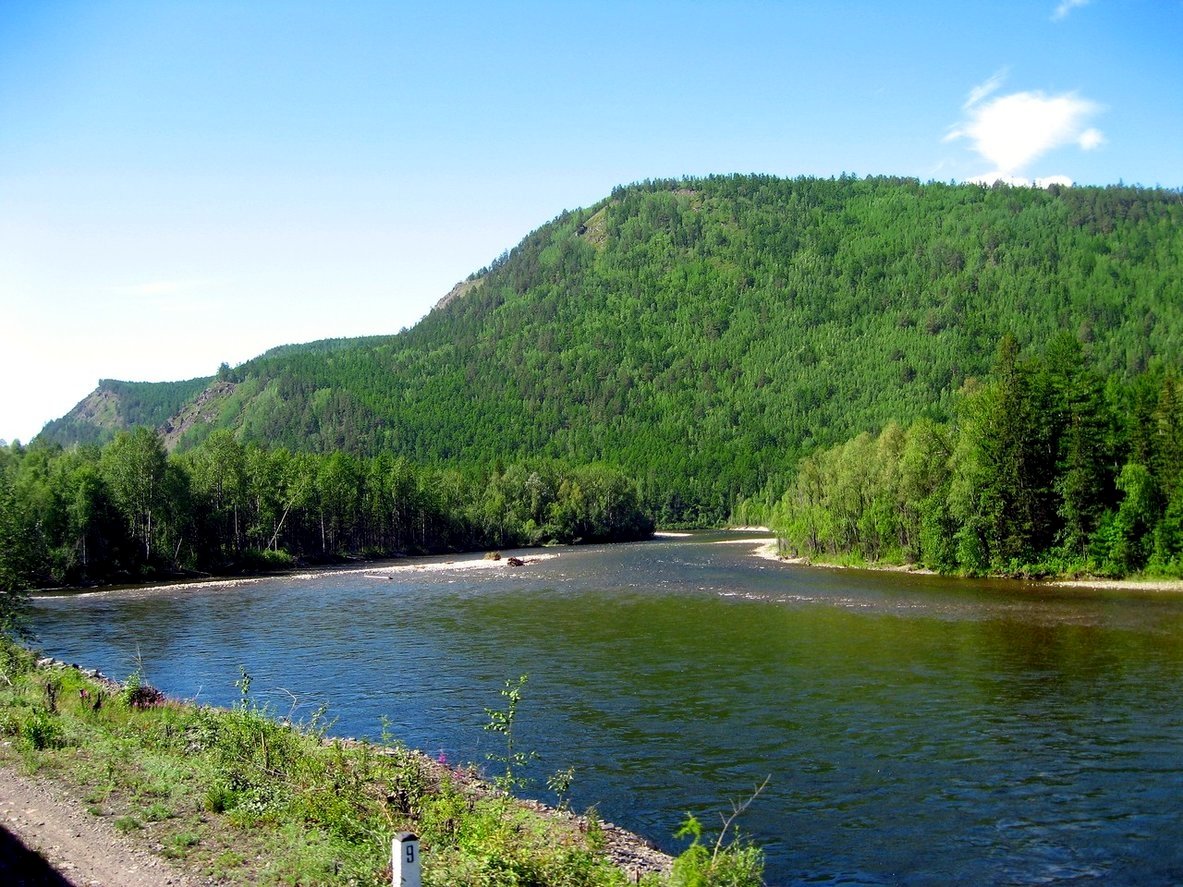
x,y
1091,138
1010,132
982,90
1048,181
998,177
1065,7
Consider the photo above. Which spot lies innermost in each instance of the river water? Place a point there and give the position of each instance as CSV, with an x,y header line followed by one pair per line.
x,y
913,730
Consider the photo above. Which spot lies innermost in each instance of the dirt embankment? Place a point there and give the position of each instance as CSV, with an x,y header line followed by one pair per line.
x,y
50,836
47,837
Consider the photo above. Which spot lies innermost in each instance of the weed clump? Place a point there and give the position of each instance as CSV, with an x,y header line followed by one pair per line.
x,y
41,731
137,693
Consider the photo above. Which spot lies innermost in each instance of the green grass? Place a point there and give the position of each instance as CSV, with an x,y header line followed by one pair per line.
x,y
239,796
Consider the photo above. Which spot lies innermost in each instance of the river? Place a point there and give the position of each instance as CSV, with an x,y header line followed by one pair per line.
x,y
913,729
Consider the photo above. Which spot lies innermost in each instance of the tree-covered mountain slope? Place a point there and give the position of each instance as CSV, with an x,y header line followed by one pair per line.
x,y
116,405
704,333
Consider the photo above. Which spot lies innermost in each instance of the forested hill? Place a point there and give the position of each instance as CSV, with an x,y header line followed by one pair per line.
x,y
704,333
117,405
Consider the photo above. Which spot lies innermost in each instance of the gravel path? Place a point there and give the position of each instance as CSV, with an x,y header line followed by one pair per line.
x,y
47,838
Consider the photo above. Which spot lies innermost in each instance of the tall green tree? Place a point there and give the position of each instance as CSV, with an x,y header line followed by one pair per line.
x,y
218,475
135,466
338,492
1125,541
1004,465
927,533
1167,459
20,548
1080,426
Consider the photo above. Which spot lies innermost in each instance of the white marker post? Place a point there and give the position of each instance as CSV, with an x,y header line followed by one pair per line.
x,y
404,855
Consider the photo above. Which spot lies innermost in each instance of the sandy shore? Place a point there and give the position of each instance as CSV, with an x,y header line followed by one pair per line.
x,y
477,562
416,565
767,550
1156,585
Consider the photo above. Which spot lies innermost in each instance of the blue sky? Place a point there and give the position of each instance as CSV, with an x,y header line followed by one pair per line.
x,y
186,183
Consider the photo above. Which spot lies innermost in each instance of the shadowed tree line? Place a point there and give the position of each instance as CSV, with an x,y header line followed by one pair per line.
x,y
129,510
1047,467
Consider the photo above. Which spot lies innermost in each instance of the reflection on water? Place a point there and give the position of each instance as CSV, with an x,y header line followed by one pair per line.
x,y
916,730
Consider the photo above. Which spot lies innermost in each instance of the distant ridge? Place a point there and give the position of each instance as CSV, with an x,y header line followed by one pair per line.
x,y
115,405
457,292
703,333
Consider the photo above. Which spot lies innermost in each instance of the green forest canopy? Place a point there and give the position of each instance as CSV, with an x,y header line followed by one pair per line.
x,y
128,510
1046,468
704,334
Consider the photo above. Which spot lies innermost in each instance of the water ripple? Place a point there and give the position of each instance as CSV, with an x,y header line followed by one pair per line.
x,y
916,730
